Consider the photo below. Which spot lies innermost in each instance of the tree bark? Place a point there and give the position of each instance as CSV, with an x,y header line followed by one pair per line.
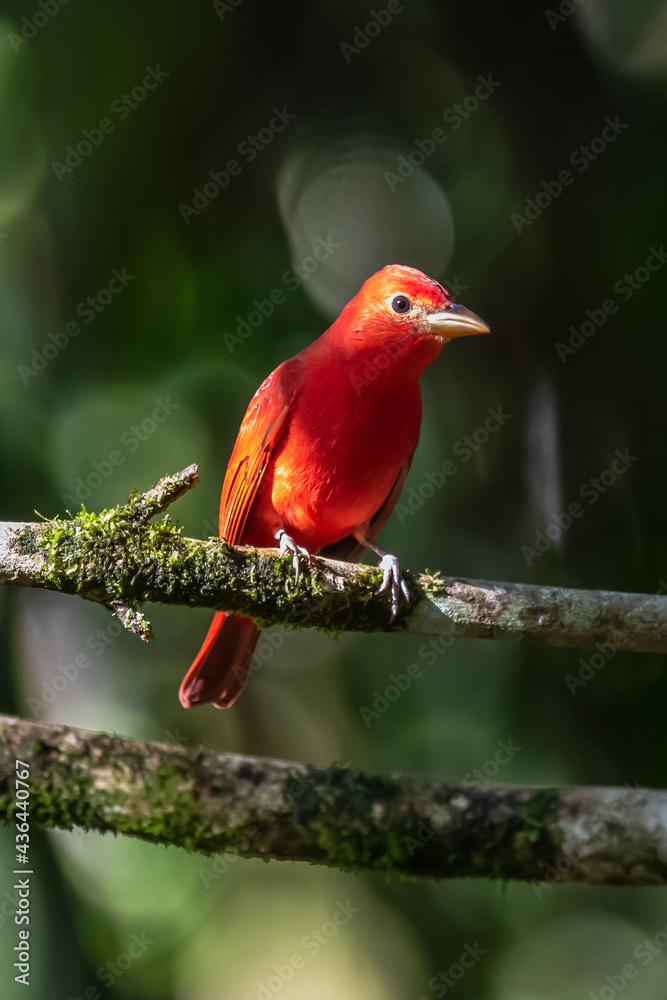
x,y
120,560
254,807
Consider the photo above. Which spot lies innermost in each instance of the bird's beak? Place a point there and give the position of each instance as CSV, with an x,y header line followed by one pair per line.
x,y
456,321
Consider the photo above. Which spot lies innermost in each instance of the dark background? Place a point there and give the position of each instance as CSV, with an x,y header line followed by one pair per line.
x,y
166,336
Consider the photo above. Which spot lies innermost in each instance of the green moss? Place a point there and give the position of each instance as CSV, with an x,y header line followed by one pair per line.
x,y
29,541
432,583
118,556
522,845
332,816
339,818
336,815
537,817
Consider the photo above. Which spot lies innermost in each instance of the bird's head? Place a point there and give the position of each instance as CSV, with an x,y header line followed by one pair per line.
x,y
405,307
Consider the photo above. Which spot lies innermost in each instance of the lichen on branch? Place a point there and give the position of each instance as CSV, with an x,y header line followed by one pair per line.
x,y
122,559
212,802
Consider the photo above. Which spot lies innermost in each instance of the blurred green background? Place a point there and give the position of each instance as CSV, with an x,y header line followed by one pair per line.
x,y
418,133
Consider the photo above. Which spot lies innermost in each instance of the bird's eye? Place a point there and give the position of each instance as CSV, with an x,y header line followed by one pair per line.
x,y
401,304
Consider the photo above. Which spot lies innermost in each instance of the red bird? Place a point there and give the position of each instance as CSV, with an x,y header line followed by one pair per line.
x,y
324,449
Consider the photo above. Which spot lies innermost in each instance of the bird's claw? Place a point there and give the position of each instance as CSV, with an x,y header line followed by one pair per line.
x,y
392,575
287,544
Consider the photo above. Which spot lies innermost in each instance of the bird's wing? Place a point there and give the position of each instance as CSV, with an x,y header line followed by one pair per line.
x,y
262,426
349,549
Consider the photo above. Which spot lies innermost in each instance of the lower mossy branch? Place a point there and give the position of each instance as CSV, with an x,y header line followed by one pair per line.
x,y
122,561
213,803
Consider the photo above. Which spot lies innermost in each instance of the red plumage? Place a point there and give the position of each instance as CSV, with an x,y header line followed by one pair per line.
x,y
325,446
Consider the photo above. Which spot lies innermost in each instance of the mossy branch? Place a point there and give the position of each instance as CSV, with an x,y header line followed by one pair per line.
x,y
215,803
121,560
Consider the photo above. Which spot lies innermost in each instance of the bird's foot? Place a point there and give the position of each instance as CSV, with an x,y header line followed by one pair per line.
x,y
393,577
287,544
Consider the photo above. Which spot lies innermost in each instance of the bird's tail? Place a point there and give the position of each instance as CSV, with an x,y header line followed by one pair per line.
x,y
222,664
